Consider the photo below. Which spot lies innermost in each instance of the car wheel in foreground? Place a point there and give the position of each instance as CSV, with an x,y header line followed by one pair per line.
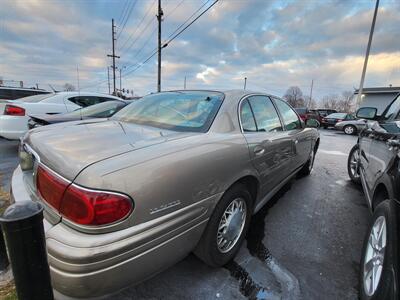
x,y
226,228
349,129
325,127
307,168
353,165
376,270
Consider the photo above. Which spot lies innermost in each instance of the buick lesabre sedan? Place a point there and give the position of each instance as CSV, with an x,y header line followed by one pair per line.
x,y
171,173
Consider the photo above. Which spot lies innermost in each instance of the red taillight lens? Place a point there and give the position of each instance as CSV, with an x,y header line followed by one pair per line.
x,y
12,110
50,187
80,205
90,207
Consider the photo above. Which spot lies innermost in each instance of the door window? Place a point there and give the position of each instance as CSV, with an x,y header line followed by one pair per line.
x,y
289,116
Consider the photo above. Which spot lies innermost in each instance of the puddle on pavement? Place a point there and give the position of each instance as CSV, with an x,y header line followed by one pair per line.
x,y
256,247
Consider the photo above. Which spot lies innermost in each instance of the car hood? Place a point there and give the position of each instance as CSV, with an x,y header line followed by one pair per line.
x,y
67,148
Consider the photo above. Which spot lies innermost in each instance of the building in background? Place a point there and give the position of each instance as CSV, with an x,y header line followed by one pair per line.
x,y
379,97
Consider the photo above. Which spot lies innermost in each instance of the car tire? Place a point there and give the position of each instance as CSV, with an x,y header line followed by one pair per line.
x,y
308,167
350,130
353,165
208,249
382,253
325,127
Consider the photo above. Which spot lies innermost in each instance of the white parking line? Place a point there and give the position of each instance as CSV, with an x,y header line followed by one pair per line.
x,y
332,152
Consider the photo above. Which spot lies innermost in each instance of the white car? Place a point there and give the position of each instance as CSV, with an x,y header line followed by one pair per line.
x,y
14,114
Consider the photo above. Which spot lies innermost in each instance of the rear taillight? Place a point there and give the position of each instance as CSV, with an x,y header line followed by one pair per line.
x,y
12,110
81,205
51,187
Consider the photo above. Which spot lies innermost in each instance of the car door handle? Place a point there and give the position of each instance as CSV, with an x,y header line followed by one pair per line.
x,y
259,150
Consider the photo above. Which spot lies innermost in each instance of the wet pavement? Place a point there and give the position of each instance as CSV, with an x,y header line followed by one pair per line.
x,y
304,244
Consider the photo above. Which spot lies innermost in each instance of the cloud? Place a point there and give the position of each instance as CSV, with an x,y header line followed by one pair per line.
x,y
275,44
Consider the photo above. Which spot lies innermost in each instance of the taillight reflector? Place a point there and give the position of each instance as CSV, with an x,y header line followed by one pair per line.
x,y
81,205
12,110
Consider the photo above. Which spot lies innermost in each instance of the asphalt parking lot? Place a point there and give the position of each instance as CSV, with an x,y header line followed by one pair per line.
x,y
305,244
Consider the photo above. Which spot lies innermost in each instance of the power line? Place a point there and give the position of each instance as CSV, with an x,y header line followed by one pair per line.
x,y
122,15
137,27
127,18
171,39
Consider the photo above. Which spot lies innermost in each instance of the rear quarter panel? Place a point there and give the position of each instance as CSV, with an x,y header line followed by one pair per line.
x,y
192,172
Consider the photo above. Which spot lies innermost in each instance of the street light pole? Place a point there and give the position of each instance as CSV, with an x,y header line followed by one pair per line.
x,y
371,33
245,83
159,18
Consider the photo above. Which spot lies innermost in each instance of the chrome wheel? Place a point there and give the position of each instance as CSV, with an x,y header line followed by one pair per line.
x,y
349,130
374,256
231,225
354,164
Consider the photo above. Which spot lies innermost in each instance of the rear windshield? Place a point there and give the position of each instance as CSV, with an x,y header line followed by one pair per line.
x,y
36,98
179,111
337,116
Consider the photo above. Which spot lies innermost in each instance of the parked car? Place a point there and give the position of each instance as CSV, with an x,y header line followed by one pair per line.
x,y
332,119
375,164
302,112
12,93
100,110
320,113
351,127
14,115
172,173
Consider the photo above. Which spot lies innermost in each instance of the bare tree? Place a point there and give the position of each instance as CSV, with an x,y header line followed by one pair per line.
x,y
68,87
331,101
342,103
294,96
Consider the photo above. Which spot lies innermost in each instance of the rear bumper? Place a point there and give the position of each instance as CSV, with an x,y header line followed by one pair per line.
x,y
13,127
95,265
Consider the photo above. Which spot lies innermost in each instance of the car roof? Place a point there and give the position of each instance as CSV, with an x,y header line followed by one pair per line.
x,y
233,94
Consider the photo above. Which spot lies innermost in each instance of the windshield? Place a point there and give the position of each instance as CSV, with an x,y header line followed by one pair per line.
x,y
180,111
36,98
337,116
101,110
393,108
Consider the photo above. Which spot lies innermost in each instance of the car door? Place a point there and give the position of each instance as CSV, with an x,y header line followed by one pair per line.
x,y
270,150
300,138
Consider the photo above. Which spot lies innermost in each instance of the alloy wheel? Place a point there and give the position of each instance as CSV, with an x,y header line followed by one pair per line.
x,y
231,225
349,130
374,256
354,164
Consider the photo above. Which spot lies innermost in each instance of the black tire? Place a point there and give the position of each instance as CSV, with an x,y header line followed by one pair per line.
x,y
207,248
325,127
354,178
350,130
308,167
386,286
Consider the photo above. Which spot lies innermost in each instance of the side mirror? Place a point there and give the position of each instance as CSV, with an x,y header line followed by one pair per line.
x,y
368,113
312,123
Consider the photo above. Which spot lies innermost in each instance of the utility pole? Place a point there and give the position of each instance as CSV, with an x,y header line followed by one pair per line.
x,y
120,79
113,54
108,77
159,18
371,33
312,85
184,84
245,83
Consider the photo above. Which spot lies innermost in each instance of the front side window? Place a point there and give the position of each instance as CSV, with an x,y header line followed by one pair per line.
x,y
393,108
179,111
290,118
265,114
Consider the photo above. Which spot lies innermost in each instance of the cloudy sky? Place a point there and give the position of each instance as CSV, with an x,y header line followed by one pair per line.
x,y
275,44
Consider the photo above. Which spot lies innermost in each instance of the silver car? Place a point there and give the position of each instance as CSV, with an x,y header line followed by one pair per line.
x,y
171,173
351,127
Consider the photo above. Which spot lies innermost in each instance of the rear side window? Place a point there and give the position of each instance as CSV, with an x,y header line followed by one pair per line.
x,y
290,118
247,118
85,101
259,114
